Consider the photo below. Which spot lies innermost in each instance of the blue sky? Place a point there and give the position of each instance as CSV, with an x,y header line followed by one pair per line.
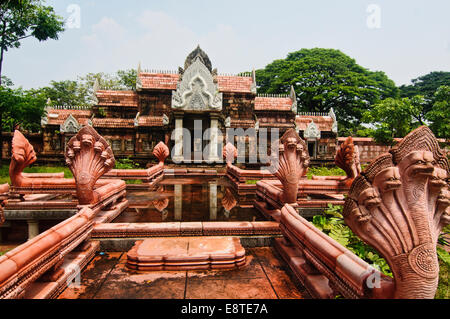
x,y
413,37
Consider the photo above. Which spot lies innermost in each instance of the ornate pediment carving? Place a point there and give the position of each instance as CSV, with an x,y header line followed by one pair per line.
x,y
197,91
312,132
70,125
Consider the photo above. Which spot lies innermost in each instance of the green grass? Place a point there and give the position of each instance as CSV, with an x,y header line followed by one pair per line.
x,y
133,181
325,171
443,290
4,171
2,252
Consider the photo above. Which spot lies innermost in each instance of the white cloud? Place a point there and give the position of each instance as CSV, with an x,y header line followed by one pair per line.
x,y
159,41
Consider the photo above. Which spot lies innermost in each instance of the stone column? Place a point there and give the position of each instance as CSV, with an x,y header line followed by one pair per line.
x,y
178,201
33,228
212,201
214,129
178,151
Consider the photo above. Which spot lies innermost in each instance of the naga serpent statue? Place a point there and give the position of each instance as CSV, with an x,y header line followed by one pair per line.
x,y
399,205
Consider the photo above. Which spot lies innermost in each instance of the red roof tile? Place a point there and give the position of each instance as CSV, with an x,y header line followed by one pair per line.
x,y
273,103
237,123
113,123
119,98
57,117
238,84
159,81
149,121
324,123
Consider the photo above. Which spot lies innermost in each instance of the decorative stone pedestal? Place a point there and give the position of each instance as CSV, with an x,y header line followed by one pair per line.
x,y
186,253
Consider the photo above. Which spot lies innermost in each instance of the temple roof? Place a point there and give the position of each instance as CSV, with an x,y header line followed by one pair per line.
x,y
159,81
58,116
148,121
323,122
113,123
168,81
119,98
273,103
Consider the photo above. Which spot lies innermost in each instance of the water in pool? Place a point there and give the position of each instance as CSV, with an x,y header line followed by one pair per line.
x,y
188,200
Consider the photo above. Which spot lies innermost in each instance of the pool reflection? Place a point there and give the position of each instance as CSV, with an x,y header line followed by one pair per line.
x,y
187,199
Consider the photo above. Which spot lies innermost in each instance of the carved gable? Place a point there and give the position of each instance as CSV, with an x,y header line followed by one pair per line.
x,y
312,132
197,91
70,125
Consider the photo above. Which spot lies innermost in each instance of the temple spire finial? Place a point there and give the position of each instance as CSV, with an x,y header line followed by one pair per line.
x,y
194,55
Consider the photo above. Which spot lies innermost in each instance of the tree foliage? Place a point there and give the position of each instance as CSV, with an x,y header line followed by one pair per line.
x,y
426,85
325,79
392,118
439,115
22,19
21,107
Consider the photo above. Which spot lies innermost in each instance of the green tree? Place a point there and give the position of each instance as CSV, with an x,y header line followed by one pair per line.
x,y
106,82
21,19
426,86
392,118
324,79
127,78
21,107
65,93
439,115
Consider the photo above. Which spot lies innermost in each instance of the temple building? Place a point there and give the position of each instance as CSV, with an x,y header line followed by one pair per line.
x,y
167,104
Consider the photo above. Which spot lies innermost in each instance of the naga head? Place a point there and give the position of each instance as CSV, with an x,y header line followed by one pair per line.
x,y
417,164
388,180
22,155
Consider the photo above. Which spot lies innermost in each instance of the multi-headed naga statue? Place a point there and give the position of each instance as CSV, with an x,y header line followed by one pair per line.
x,y
399,205
289,162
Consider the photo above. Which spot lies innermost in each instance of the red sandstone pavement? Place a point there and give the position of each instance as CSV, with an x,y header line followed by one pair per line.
x,y
264,277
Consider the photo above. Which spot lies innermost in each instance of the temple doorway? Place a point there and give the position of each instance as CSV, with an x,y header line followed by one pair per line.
x,y
196,124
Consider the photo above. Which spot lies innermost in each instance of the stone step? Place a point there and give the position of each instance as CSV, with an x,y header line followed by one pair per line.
x,y
186,253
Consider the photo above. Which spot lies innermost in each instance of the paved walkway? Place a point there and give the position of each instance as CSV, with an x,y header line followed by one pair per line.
x,y
264,277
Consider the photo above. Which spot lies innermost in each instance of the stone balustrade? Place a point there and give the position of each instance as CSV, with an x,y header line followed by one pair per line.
x,y
25,264
325,267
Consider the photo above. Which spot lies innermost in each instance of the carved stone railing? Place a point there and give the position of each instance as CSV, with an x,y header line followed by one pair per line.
x,y
91,159
43,254
35,269
399,205
4,190
325,267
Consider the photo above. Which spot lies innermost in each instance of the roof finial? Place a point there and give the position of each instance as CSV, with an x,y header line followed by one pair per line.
x,y
253,86
96,85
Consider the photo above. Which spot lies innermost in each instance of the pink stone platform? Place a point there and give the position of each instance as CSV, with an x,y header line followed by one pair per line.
x,y
186,253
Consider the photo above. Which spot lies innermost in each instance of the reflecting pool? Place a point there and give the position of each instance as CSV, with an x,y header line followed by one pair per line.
x,y
188,200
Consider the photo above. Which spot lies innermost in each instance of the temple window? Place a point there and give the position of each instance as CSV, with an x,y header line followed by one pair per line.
x,y
146,146
116,145
322,148
129,145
